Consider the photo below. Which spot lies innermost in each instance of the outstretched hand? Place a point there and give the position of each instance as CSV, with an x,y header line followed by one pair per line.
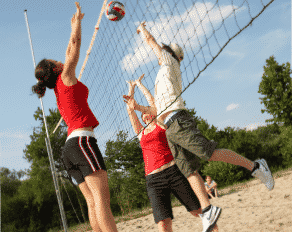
x,y
130,102
139,79
139,27
132,84
78,16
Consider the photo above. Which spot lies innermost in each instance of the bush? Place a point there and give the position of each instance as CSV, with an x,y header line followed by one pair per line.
x,y
285,144
223,174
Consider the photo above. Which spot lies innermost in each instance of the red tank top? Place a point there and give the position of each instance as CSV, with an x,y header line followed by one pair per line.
x,y
156,151
73,106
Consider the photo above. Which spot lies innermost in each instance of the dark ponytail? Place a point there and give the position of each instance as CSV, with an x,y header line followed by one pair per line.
x,y
47,75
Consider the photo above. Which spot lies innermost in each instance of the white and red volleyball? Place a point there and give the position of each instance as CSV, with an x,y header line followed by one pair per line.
x,y
115,11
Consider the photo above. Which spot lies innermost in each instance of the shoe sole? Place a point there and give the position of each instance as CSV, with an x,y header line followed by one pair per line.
x,y
264,163
212,226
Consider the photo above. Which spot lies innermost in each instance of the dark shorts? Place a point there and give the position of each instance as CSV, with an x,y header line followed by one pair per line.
x,y
82,157
187,143
161,185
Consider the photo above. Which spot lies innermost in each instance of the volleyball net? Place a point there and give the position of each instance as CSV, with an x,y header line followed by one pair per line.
x,y
201,28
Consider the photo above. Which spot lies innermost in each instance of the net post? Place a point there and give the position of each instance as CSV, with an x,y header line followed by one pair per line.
x,y
48,143
93,38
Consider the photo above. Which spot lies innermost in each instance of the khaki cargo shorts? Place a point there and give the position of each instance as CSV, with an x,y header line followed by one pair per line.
x,y
187,143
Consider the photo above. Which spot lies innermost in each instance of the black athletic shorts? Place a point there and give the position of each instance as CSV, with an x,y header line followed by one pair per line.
x,y
159,187
82,157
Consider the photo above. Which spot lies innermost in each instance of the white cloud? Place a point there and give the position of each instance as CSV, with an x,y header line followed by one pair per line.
x,y
226,123
232,107
254,126
186,29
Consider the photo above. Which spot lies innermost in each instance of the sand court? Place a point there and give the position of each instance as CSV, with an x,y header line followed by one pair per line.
x,y
251,208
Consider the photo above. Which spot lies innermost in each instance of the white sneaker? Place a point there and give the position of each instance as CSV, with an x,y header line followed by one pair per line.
x,y
210,218
264,174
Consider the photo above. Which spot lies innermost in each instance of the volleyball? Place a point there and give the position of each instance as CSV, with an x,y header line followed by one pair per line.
x,y
115,11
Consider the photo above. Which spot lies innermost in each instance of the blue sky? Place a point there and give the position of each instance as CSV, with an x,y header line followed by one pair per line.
x,y
225,94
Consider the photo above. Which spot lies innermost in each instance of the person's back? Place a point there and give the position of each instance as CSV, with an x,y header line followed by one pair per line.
x,y
168,85
73,106
81,156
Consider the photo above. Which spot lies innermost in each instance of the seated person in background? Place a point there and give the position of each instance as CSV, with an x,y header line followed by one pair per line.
x,y
211,188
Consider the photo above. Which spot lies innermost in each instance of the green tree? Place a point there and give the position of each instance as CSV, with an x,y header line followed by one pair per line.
x,y
36,152
125,165
10,181
276,87
285,145
34,206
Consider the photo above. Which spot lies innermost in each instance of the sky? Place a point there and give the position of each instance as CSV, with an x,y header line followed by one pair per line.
x,y
225,94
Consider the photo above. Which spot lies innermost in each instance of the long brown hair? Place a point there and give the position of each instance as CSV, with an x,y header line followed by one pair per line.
x,y
46,74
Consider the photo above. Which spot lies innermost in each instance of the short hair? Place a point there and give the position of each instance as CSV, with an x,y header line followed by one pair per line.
x,y
168,49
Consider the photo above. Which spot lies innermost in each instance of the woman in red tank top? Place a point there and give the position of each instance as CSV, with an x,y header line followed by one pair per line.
x,y
162,174
81,156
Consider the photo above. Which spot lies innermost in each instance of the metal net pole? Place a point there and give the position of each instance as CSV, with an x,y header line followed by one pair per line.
x,y
48,143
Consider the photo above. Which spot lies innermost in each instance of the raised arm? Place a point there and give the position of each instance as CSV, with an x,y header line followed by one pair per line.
x,y
129,99
149,39
145,91
134,105
131,89
73,49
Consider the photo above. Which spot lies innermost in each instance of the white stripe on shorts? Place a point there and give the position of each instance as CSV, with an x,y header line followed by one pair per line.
x,y
93,153
86,156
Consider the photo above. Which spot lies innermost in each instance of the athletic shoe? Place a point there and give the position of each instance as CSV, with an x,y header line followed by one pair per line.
x,y
264,174
210,218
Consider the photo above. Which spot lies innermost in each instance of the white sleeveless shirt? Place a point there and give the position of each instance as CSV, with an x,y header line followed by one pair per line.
x,y
168,84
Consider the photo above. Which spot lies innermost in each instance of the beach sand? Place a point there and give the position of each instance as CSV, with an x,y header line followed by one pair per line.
x,y
251,208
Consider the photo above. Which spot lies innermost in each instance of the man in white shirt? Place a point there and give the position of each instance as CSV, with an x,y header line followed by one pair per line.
x,y
186,142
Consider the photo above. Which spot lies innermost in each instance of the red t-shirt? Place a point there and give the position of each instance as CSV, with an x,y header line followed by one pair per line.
x,y
156,151
73,106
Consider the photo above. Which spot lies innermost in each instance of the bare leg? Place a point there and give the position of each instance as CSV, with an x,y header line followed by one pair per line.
x,y
93,219
198,187
165,225
215,228
231,157
98,185
196,212
223,155
91,206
